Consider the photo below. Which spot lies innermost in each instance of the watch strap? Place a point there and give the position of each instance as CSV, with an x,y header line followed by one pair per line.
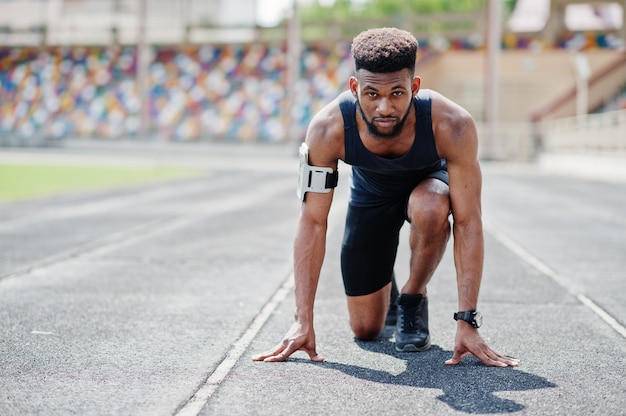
x,y
464,315
472,317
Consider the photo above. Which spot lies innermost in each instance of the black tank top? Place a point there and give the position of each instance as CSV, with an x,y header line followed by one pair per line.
x,y
376,179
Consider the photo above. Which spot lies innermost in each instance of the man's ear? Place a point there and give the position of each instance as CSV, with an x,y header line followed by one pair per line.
x,y
415,85
354,86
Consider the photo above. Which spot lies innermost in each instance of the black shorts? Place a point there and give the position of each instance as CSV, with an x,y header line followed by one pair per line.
x,y
370,243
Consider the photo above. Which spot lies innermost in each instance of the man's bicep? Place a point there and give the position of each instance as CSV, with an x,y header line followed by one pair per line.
x,y
322,154
465,190
459,142
323,147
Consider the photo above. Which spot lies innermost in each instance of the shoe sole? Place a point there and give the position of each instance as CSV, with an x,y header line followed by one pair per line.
x,y
413,347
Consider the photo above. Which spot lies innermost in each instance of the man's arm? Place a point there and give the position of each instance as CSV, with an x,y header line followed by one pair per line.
x,y
457,141
310,240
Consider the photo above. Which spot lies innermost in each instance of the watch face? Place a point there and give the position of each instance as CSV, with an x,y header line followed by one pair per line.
x,y
478,319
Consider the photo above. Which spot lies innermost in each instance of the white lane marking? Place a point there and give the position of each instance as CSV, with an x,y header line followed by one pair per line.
x,y
211,384
204,393
168,192
602,314
85,248
176,220
529,258
209,208
548,271
35,332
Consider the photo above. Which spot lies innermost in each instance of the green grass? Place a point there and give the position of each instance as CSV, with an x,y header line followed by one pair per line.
x,y
28,181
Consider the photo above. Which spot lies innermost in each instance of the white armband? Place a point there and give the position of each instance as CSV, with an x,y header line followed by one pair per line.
x,y
314,178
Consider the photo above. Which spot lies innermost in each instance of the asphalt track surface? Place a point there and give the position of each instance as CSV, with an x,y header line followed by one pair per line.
x,y
150,300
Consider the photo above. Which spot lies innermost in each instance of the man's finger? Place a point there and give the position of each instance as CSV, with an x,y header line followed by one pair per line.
x,y
456,358
488,361
492,359
500,360
487,357
313,355
271,353
261,357
514,362
276,358
284,354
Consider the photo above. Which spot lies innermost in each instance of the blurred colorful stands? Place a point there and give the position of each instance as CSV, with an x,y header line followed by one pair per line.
x,y
225,92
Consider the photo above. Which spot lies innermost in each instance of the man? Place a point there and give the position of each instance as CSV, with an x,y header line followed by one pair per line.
x,y
414,157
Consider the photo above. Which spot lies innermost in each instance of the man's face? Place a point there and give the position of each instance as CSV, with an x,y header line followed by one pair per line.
x,y
384,100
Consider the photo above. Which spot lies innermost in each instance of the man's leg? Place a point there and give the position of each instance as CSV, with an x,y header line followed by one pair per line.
x,y
367,313
367,259
427,211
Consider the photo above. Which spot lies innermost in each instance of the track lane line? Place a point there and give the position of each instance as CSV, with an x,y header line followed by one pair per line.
x,y
165,192
173,221
612,322
201,397
539,265
194,405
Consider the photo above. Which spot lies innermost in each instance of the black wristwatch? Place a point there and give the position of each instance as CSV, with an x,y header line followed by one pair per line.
x,y
473,317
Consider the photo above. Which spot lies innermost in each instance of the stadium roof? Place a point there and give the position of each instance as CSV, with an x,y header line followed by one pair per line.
x,y
532,15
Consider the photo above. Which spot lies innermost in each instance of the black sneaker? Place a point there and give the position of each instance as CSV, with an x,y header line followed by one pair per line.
x,y
412,326
392,312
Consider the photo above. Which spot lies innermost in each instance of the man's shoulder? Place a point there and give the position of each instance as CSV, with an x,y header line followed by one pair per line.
x,y
424,94
328,118
326,129
447,113
453,126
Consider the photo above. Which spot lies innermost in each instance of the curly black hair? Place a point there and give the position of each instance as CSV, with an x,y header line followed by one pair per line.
x,y
384,49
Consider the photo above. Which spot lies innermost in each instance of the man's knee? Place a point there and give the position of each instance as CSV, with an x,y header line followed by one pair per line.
x,y
429,204
367,326
368,312
366,333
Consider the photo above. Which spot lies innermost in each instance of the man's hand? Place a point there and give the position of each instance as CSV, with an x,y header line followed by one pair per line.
x,y
297,339
469,341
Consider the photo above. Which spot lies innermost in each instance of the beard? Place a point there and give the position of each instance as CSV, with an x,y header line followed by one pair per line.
x,y
373,130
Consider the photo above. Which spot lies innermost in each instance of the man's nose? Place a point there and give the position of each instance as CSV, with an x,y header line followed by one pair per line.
x,y
384,107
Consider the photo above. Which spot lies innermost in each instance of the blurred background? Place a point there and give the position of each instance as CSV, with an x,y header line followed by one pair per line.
x,y
537,75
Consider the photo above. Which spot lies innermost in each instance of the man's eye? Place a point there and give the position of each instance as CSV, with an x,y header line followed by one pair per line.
x,y
398,93
371,94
